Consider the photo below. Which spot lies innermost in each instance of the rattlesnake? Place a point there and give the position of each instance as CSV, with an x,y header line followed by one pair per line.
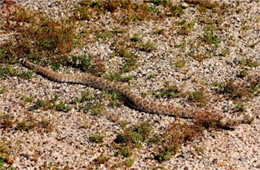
x,y
134,100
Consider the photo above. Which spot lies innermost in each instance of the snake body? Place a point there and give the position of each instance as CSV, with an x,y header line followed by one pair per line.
x,y
134,100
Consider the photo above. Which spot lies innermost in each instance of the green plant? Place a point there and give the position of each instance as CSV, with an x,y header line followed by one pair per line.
x,y
185,28
2,90
243,73
101,159
125,151
211,38
38,35
198,97
135,135
177,11
27,74
234,90
113,97
129,57
118,77
147,46
151,76
205,5
158,2
249,63
62,107
180,63
199,149
46,125
95,110
26,125
130,162
6,155
105,35
28,99
44,104
96,138
8,71
86,95
172,139
136,38
168,92
166,154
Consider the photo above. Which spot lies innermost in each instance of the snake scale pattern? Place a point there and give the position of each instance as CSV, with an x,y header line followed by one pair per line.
x,y
134,100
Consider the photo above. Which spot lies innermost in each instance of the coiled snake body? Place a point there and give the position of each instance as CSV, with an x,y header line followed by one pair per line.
x,y
135,101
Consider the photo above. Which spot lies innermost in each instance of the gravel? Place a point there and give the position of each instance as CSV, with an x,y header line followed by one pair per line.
x,y
67,145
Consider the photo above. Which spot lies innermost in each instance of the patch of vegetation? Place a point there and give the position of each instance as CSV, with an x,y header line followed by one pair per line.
x,y
45,104
26,125
96,138
168,92
29,123
136,38
243,73
151,76
130,162
6,155
130,58
240,90
98,110
185,28
114,98
3,90
198,97
180,63
125,151
28,99
9,71
85,96
88,63
105,35
254,84
95,109
5,54
119,77
177,11
206,5
6,121
172,139
27,74
199,149
38,34
101,160
46,125
62,107
84,124
131,11
249,63
198,56
133,137
210,38
158,2
124,123
148,46
158,31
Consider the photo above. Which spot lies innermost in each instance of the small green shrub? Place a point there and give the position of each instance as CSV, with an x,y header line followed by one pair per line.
x,y
210,38
96,138
62,107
